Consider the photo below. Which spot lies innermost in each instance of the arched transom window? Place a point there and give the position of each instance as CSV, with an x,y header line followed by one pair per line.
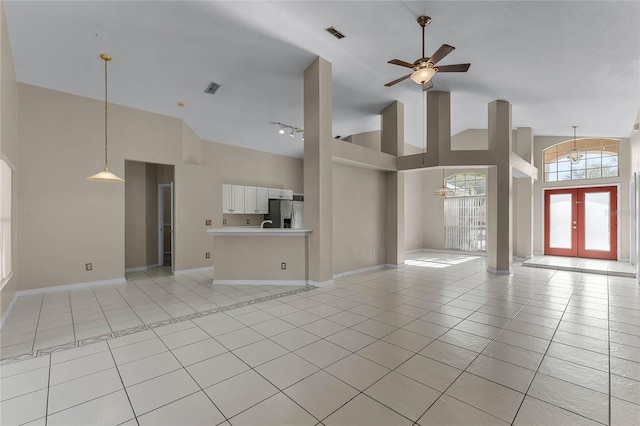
x,y
467,184
598,159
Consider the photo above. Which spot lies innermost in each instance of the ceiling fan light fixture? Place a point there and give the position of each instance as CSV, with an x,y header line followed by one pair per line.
x,y
281,131
423,74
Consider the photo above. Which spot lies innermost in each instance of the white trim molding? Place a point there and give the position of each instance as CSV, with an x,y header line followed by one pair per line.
x,y
261,282
358,271
141,268
499,271
75,286
8,311
320,283
188,271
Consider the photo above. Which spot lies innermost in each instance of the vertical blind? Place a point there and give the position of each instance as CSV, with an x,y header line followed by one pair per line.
x,y
465,223
5,221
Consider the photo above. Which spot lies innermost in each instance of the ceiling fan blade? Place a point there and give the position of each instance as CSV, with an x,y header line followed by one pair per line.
x,y
444,50
398,80
454,68
428,85
401,63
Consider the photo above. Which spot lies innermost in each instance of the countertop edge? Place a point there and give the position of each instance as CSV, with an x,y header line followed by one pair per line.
x,y
264,232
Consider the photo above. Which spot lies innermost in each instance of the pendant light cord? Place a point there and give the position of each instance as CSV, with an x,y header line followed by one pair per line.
x,y
106,162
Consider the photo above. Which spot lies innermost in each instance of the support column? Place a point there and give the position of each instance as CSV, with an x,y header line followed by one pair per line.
x,y
393,143
499,185
438,124
524,197
318,171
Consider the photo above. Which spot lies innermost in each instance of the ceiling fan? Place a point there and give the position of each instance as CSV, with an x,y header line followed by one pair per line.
x,y
424,68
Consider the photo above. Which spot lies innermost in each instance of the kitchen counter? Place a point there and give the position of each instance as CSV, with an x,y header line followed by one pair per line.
x,y
257,231
250,255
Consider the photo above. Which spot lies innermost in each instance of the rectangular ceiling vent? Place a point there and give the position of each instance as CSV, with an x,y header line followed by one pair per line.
x,y
211,88
337,34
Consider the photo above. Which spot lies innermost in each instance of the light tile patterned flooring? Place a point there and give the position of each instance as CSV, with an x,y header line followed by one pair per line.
x,y
577,264
438,342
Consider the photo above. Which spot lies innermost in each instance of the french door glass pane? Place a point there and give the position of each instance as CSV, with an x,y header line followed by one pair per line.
x,y
560,218
597,221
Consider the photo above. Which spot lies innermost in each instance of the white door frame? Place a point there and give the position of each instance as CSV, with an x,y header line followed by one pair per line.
x,y
161,224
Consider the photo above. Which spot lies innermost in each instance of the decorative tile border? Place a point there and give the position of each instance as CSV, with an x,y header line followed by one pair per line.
x,y
150,326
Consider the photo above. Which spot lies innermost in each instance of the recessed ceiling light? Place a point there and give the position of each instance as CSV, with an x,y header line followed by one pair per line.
x,y
181,104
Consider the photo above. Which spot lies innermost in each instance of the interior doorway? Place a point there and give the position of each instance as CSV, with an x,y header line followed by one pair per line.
x,y
148,218
581,222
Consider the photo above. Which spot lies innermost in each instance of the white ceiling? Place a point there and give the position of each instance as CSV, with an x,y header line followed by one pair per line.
x,y
558,63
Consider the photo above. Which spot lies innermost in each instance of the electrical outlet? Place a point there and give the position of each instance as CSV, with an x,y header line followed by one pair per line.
x,y
248,221
207,255
283,266
207,222
224,221
88,266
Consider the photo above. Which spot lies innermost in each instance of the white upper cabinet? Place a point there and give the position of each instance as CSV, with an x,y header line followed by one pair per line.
x,y
256,200
281,194
233,199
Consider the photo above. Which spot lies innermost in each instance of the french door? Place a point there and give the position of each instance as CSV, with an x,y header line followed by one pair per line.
x,y
581,222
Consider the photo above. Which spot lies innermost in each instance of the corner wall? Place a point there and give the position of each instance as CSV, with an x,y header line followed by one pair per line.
x,y
9,150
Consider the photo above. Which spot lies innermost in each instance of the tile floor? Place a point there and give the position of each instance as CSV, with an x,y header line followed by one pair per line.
x,y
577,264
438,342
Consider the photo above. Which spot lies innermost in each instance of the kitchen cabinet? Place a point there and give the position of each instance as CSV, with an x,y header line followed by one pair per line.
x,y
256,200
281,194
233,199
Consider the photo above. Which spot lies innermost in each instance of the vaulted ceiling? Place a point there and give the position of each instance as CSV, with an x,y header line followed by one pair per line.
x,y
558,63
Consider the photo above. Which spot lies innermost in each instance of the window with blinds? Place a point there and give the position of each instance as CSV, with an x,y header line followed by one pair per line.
x,y
465,212
5,222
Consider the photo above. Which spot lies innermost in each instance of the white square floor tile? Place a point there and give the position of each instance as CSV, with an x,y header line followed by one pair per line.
x,y
216,369
351,339
295,339
429,372
574,373
403,395
272,327
139,350
452,355
27,382
408,340
322,353
363,410
286,370
148,368
195,409
487,396
583,401
536,412
24,366
111,409
503,373
514,355
448,411
24,408
321,394
184,337
199,351
385,354
67,355
260,352
374,328
240,392
357,371
83,389
154,393
623,412
79,367
323,327
239,338
278,410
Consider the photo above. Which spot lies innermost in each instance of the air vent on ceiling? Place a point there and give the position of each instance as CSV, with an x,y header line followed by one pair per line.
x,y
211,88
337,34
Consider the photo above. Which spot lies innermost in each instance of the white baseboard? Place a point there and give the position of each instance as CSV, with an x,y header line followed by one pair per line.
x,y
359,271
394,265
499,271
8,311
261,282
320,283
75,286
470,253
142,268
188,271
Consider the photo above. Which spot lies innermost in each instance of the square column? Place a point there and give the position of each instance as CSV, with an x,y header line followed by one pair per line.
x,y
499,187
392,142
524,197
318,171
438,124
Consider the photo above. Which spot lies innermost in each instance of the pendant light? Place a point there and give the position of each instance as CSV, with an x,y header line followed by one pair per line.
x,y
105,175
444,191
574,154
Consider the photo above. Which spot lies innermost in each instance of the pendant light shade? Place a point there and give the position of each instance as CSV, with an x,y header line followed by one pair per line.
x,y
444,191
105,175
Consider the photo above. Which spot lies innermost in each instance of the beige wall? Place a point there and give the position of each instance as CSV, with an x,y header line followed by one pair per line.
x,y
415,222
624,159
135,214
358,218
67,221
9,149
